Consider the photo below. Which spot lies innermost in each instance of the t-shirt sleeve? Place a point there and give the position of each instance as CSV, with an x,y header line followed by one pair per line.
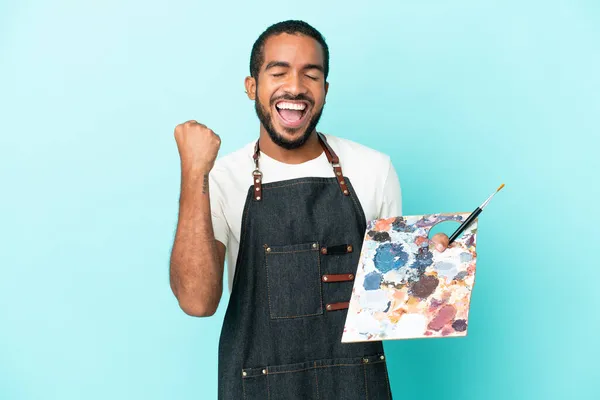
x,y
391,205
220,227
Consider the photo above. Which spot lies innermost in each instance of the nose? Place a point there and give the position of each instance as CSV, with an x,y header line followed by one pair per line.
x,y
295,84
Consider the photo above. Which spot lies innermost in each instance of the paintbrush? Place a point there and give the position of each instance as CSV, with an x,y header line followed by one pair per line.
x,y
472,217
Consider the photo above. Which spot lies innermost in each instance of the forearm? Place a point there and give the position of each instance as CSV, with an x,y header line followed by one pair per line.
x,y
196,270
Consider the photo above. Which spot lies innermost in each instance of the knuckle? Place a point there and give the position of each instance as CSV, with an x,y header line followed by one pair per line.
x,y
192,123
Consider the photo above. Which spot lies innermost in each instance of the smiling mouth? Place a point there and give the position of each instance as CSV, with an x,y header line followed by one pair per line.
x,y
292,114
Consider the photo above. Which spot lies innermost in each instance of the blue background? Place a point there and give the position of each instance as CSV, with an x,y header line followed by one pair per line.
x,y
464,95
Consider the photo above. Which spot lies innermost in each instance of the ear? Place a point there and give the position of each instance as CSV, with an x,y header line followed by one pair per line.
x,y
250,84
326,89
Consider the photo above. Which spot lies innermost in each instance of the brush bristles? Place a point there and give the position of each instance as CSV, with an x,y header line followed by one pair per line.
x,y
501,186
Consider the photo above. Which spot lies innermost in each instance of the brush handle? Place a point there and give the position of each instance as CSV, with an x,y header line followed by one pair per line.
x,y
464,225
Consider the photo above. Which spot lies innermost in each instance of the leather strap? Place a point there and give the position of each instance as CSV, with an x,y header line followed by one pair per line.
x,y
337,277
257,175
335,163
337,250
337,306
331,157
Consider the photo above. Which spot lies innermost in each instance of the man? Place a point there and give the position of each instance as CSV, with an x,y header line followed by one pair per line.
x,y
290,211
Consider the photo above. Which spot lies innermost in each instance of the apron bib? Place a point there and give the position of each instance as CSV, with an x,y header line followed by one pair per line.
x,y
281,337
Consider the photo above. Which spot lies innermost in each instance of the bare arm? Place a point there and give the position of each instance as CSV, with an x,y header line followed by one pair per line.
x,y
197,259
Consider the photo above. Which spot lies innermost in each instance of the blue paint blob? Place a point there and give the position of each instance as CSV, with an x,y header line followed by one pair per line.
x,y
399,225
465,257
372,281
444,266
390,256
461,275
423,260
388,306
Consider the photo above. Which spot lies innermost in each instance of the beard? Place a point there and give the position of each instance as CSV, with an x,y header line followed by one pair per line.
x,y
267,121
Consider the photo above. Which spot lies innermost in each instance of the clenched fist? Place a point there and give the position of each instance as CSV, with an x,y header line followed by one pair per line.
x,y
198,146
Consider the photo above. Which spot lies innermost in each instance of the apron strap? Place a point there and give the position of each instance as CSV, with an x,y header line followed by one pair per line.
x,y
335,163
257,175
331,157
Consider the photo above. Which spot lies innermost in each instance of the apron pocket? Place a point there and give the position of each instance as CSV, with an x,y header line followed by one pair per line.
x,y
294,280
341,378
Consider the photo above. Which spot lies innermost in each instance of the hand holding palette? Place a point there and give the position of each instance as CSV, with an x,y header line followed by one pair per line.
x,y
404,288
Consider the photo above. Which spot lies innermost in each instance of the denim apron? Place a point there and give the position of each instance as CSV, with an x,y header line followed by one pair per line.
x,y
281,337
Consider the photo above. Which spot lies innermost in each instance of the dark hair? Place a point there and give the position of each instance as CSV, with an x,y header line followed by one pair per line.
x,y
292,27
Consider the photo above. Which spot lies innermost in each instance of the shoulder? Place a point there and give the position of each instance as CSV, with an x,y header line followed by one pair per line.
x,y
353,153
368,170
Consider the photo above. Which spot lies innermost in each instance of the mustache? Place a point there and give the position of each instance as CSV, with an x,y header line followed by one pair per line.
x,y
290,97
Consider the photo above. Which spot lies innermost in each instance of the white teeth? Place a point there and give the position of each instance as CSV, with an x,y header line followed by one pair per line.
x,y
291,106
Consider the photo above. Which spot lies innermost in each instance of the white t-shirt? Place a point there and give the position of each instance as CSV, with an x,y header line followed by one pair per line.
x,y
371,174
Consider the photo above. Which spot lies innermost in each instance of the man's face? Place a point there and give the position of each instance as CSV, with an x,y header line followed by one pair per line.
x,y
290,89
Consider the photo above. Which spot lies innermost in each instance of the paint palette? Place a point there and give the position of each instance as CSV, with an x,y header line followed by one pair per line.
x,y
404,288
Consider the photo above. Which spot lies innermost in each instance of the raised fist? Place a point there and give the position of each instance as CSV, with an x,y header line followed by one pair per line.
x,y
198,146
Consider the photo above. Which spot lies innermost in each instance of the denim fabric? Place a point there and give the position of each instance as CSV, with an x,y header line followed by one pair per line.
x,y
278,341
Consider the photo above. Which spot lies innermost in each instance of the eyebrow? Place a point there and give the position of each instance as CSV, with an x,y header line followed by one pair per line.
x,y
284,64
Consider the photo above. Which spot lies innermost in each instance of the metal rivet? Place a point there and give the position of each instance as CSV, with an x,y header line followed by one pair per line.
x,y
324,250
338,173
244,373
351,276
382,358
345,192
349,249
268,249
314,245
342,182
366,360
264,371
257,181
257,189
328,306
258,198
325,278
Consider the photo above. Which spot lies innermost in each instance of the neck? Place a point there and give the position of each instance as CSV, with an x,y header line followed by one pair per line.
x,y
309,151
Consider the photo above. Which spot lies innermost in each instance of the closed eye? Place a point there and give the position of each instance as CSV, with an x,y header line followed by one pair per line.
x,y
314,78
279,74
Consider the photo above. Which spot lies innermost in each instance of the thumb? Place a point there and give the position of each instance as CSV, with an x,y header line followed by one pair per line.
x,y
440,240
